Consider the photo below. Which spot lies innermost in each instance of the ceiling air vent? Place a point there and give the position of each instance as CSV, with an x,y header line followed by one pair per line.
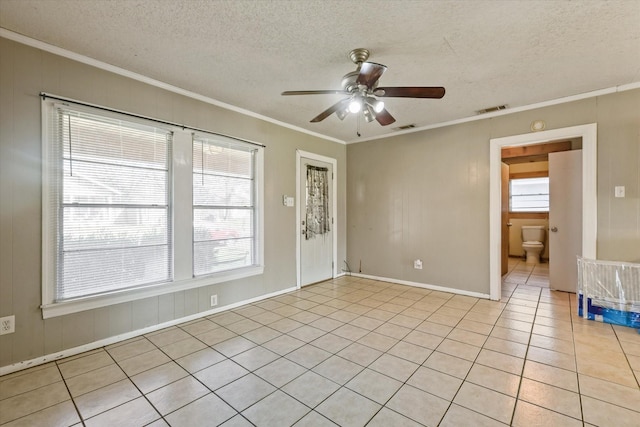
x,y
492,109
405,127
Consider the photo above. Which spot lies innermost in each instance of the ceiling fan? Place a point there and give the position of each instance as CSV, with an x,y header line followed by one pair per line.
x,y
361,90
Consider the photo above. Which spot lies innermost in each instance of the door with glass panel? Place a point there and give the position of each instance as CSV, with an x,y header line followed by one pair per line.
x,y
316,221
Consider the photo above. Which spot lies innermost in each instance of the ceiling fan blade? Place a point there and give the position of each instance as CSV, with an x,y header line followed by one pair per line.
x,y
329,111
370,72
384,118
314,92
411,92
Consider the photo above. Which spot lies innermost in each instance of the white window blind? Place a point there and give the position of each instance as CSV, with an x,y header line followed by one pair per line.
x,y
224,207
112,219
529,195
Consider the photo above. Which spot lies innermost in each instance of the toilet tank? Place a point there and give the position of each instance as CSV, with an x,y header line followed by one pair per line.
x,y
533,233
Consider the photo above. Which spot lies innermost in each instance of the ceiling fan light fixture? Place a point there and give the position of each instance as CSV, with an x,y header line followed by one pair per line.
x,y
355,106
360,90
369,114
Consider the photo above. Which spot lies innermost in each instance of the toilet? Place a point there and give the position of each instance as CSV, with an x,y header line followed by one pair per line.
x,y
533,242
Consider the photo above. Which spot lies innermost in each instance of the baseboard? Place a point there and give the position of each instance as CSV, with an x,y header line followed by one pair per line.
x,y
138,332
424,286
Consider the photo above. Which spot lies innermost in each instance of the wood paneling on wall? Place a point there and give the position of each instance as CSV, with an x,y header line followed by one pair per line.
x,y
24,73
426,194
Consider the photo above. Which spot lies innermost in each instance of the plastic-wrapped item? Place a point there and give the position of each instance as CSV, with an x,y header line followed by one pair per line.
x,y
609,291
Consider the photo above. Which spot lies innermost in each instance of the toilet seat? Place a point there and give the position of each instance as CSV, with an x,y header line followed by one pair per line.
x,y
532,244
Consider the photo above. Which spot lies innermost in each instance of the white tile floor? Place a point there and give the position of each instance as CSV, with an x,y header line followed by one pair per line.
x,y
353,352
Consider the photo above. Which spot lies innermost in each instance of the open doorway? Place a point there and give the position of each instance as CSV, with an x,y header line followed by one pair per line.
x,y
588,135
542,206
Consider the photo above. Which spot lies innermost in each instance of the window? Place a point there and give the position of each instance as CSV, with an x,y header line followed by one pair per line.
x,y
116,221
529,195
112,225
223,205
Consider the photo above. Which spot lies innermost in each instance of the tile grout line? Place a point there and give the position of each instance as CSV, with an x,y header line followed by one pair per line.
x,y
514,294
73,400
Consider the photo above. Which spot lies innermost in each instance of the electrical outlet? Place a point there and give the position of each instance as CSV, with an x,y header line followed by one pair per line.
x,y
417,264
214,300
7,325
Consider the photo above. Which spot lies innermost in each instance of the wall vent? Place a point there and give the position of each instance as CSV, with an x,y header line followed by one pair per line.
x,y
492,109
405,127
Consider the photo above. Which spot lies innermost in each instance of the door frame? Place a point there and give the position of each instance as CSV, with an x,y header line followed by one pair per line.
x,y
589,135
300,154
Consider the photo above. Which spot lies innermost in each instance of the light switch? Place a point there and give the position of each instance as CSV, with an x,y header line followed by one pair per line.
x,y
288,201
619,191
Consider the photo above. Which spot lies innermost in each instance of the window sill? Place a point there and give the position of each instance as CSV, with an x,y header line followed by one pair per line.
x,y
528,215
81,304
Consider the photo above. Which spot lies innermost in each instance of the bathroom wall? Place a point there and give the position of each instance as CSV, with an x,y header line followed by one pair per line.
x,y
515,231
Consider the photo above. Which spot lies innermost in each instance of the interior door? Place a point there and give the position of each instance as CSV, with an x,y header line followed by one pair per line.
x,y
565,219
316,240
505,218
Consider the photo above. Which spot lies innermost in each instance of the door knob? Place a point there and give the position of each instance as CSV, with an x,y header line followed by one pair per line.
x,y
554,229
509,224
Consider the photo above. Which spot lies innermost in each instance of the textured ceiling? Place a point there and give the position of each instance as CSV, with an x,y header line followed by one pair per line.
x,y
245,53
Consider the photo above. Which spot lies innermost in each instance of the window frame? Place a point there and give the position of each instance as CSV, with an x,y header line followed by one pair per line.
x,y
226,143
180,207
519,178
